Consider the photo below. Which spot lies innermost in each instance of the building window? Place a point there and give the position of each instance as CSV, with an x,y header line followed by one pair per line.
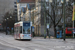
x,y
14,2
15,6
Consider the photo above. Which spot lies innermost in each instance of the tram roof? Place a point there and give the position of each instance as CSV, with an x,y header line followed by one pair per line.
x,y
21,22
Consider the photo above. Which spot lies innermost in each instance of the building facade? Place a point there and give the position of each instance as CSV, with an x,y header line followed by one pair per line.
x,y
40,18
22,3
54,9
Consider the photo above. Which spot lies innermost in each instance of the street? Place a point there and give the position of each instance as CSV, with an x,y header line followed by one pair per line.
x,y
35,20
2,47
7,42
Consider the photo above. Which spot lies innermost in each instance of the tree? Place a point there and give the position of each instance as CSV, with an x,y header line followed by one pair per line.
x,y
10,21
55,11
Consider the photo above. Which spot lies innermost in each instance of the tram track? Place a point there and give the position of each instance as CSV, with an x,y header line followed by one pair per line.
x,y
31,45
2,42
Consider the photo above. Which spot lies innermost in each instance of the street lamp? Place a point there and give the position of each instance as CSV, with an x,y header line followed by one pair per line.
x,y
6,24
10,16
38,16
63,2
44,22
7,18
45,16
33,14
74,17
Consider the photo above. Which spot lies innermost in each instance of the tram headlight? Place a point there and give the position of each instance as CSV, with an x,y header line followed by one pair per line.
x,y
29,35
23,35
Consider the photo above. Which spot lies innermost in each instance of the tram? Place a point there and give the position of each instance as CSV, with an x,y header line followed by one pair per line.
x,y
22,30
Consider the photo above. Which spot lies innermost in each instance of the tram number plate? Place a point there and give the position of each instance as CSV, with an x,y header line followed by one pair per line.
x,y
26,35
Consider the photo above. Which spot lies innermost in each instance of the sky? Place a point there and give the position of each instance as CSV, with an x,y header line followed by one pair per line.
x,y
5,6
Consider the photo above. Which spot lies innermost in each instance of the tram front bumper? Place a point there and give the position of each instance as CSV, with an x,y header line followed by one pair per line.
x,y
26,37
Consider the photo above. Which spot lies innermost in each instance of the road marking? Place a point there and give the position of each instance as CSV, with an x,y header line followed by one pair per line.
x,y
10,45
51,49
22,49
36,49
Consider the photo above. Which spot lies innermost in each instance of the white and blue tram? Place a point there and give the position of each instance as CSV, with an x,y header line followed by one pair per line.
x,y
22,30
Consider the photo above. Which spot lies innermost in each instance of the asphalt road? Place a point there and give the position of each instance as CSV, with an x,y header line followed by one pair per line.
x,y
2,47
37,43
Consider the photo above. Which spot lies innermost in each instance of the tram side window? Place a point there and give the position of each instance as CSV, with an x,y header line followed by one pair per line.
x,y
17,29
20,29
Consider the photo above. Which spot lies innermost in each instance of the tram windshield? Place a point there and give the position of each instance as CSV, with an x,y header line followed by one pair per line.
x,y
26,29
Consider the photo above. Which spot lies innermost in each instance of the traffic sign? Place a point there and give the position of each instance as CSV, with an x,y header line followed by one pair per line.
x,y
32,28
47,25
